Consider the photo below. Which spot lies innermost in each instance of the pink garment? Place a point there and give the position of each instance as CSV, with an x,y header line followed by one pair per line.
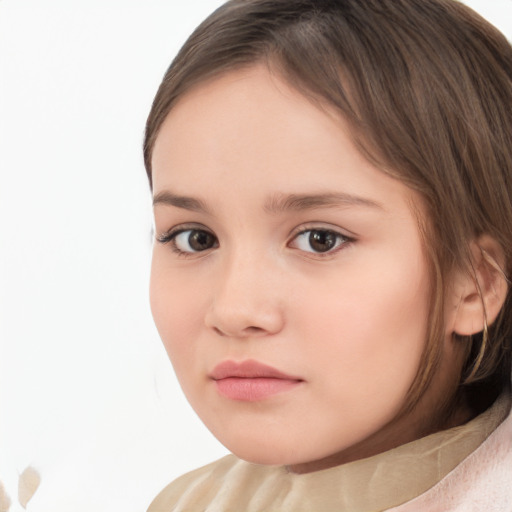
x,y
480,483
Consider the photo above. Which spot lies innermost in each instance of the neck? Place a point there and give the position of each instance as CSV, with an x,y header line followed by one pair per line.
x,y
402,430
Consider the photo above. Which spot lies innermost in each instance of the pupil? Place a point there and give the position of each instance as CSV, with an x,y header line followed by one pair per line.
x,y
200,240
322,241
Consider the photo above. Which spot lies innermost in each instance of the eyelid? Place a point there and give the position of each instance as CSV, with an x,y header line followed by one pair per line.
x,y
322,226
170,233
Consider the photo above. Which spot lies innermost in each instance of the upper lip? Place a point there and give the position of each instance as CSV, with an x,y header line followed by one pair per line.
x,y
248,369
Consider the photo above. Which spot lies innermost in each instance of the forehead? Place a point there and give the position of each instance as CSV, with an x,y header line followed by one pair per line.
x,y
249,131
242,111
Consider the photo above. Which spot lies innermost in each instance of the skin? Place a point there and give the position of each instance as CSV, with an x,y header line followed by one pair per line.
x,y
350,322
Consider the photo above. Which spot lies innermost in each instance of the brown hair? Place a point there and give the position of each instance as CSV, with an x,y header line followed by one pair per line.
x,y
426,86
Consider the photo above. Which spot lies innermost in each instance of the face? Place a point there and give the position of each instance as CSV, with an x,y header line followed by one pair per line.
x,y
288,283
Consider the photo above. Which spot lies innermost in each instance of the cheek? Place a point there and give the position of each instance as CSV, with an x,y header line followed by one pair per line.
x,y
369,327
175,305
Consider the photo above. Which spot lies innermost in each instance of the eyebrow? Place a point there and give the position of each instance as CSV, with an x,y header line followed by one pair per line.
x,y
275,204
298,202
187,203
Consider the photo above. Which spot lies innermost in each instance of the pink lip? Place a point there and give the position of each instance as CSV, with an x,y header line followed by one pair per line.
x,y
251,381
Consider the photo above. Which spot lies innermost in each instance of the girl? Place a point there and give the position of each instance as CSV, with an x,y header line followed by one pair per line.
x,y
332,194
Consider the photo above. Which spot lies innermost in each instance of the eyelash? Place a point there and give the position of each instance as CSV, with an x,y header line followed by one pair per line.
x,y
170,236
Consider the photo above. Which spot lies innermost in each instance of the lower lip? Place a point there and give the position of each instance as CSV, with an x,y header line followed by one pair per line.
x,y
253,389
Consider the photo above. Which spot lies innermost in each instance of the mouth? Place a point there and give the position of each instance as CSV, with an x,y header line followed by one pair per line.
x,y
251,381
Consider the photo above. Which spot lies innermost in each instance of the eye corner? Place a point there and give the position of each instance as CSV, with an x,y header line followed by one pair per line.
x,y
162,238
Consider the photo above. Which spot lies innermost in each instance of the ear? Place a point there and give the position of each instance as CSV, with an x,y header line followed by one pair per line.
x,y
479,294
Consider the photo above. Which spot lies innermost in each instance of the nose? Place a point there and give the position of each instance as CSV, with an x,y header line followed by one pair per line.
x,y
247,300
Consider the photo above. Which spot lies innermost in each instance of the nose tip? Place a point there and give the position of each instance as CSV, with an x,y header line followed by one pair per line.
x,y
239,322
246,295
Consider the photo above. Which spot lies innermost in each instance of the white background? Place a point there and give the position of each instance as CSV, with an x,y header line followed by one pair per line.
x,y
87,395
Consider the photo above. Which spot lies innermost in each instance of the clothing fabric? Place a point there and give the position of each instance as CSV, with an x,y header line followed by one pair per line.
x,y
464,469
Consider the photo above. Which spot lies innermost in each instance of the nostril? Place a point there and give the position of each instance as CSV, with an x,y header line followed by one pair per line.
x,y
247,331
253,330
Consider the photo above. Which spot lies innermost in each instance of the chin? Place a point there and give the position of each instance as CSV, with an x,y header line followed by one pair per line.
x,y
263,459
259,453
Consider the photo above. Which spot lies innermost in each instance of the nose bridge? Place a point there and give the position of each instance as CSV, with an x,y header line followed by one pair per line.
x,y
246,299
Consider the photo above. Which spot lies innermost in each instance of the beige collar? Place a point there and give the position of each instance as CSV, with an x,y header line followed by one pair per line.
x,y
399,475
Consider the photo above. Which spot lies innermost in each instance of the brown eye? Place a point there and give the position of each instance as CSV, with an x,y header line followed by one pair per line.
x,y
194,240
319,240
322,241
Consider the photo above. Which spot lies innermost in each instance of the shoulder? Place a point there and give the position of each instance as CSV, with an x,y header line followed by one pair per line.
x,y
196,488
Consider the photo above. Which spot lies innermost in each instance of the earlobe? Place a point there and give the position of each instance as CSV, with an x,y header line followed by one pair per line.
x,y
480,292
